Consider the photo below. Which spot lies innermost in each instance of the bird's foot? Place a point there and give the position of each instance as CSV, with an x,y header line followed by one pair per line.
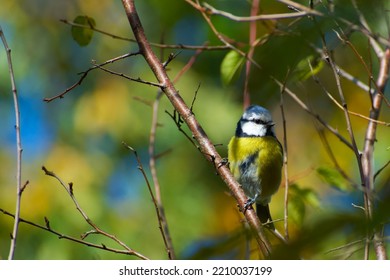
x,y
248,204
223,162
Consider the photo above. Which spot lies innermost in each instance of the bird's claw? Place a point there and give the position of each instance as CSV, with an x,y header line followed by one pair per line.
x,y
248,204
223,162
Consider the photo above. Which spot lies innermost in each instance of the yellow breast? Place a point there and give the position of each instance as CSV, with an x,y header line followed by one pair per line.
x,y
256,163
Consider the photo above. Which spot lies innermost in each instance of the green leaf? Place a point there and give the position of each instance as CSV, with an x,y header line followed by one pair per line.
x,y
303,71
297,210
299,199
334,178
83,35
231,67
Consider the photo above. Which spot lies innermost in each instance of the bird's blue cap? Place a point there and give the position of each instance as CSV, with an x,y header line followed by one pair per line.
x,y
256,111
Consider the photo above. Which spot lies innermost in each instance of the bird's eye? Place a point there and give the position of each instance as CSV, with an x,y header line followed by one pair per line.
x,y
258,121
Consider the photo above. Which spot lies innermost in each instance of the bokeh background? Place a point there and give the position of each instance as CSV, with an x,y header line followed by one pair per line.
x,y
80,136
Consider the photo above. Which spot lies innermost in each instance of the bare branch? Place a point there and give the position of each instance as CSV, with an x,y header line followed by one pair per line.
x,y
85,73
376,47
381,169
153,157
163,46
318,82
316,116
76,240
213,11
285,163
248,64
138,80
163,222
159,210
329,151
19,149
368,150
179,121
96,229
369,72
352,26
343,247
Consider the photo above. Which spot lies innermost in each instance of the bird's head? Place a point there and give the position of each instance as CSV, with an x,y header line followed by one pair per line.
x,y
255,122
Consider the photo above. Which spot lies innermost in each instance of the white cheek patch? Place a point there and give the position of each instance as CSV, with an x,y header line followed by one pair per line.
x,y
253,129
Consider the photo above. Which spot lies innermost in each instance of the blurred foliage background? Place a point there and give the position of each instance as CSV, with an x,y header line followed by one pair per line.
x,y
80,136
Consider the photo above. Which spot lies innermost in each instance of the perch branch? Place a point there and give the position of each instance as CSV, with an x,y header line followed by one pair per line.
x,y
199,134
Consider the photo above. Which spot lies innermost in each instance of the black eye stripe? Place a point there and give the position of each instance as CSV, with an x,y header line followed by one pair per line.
x,y
258,121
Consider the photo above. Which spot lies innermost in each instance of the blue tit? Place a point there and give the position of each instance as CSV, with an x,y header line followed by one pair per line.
x,y
256,158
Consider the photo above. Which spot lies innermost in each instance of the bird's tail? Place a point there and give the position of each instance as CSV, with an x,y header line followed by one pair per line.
x,y
264,215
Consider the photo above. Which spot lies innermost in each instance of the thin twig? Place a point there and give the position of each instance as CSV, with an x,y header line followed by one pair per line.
x,y
285,164
48,228
160,215
96,230
152,165
352,26
138,80
343,101
85,73
343,73
194,98
19,148
227,41
163,221
342,247
381,169
333,158
355,149
333,130
248,64
179,122
318,82
345,40
374,44
153,156
158,45
254,17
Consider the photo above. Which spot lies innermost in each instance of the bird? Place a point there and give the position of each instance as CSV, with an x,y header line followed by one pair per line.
x,y
255,158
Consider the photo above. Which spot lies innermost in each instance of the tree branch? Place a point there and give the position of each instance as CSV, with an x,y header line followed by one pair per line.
x,y
368,150
248,64
162,222
285,164
84,75
157,45
205,144
76,240
96,229
19,149
211,10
